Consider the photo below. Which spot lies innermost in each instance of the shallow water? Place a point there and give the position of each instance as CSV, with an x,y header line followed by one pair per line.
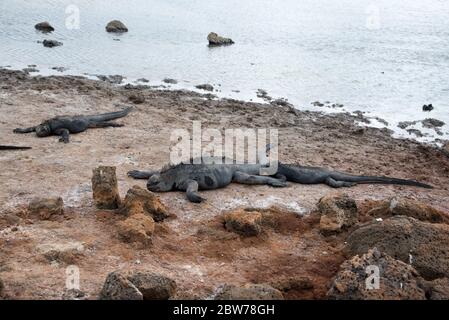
x,y
388,64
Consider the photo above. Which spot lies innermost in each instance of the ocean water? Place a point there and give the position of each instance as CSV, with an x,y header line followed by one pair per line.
x,y
386,58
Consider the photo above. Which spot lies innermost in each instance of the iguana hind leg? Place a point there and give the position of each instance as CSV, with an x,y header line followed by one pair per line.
x,y
65,135
244,178
192,192
24,130
338,184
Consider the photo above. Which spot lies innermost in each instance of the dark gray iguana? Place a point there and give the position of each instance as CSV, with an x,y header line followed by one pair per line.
x,y
64,125
203,176
194,177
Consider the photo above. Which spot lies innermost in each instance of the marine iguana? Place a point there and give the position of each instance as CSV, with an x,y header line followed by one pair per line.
x,y
203,176
64,125
13,148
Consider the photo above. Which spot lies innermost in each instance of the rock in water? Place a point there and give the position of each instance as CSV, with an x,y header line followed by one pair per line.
x,y
248,292
397,280
45,209
116,26
215,40
422,245
138,229
243,222
105,188
51,43
207,87
338,212
427,108
141,285
141,201
44,27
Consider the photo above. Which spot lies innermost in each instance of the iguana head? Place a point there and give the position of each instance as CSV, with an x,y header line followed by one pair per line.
x,y
160,183
43,130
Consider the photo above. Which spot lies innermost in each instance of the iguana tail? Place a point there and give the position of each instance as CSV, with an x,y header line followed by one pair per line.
x,y
110,116
378,180
13,148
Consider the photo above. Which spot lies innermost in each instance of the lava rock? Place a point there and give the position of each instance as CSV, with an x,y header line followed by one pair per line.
x,y
68,253
397,280
137,229
432,123
338,212
427,108
423,245
215,40
248,292
116,26
206,87
245,223
142,201
44,27
105,188
51,43
45,209
170,81
141,285
137,98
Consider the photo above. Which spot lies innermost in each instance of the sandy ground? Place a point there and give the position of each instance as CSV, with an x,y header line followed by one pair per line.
x,y
192,248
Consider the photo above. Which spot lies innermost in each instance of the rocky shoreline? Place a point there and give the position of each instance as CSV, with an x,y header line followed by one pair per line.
x,y
302,242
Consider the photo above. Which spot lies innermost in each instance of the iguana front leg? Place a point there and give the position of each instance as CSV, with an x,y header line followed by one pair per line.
x,y
24,130
64,133
104,124
244,178
192,192
136,174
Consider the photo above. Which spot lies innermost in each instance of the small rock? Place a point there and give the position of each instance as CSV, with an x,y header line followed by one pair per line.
x,y
142,201
137,228
116,26
45,209
137,98
9,219
51,43
30,70
427,108
248,292
338,212
114,79
215,40
73,294
68,253
141,285
44,27
245,223
143,80
118,287
105,188
398,280
437,289
406,124
60,69
153,286
416,132
171,81
432,123
206,87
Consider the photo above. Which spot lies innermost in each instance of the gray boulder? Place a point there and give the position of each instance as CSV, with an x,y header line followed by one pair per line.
x,y
116,26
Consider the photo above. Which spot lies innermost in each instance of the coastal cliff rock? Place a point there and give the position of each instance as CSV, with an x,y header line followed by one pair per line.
x,y
243,222
137,229
338,212
422,245
397,280
45,209
44,27
216,40
142,285
410,208
116,26
51,43
248,292
105,188
142,201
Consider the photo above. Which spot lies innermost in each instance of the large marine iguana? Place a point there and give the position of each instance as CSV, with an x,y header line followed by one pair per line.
x,y
203,176
64,125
